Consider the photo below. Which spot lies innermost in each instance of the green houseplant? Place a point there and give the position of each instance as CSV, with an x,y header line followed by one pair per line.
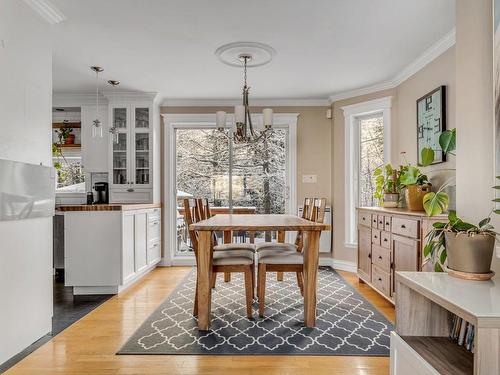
x,y
416,186
387,186
466,247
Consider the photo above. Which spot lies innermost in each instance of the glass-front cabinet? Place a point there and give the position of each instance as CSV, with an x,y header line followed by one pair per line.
x,y
131,157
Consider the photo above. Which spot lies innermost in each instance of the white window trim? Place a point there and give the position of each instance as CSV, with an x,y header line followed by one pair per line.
x,y
173,121
351,137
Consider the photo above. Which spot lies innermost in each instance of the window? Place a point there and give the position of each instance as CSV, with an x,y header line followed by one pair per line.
x,y
70,174
371,155
367,146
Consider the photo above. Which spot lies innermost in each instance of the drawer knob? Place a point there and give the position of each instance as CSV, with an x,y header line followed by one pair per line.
x,y
375,236
370,255
385,239
379,279
363,219
156,222
380,257
403,226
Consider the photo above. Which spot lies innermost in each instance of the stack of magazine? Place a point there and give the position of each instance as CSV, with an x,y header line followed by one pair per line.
x,y
462,332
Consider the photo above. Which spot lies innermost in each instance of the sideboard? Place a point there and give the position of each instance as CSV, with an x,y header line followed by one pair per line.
x,y
390,240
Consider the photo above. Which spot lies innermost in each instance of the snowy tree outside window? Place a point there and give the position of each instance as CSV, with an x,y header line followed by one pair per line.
x,y
258,172
371,147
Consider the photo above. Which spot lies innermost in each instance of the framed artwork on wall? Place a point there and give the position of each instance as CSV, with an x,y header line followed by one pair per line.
x,y
431,121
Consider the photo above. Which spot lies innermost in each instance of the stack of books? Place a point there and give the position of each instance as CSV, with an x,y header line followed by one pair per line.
x,y
462,332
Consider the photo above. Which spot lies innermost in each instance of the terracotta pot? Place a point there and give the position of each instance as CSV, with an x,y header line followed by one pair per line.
x,y
470,254
415,196
70,139
391,200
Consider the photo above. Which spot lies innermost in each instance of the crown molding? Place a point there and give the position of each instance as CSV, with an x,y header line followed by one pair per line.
x,y
418,64
75,99
48,11
255,102
124,96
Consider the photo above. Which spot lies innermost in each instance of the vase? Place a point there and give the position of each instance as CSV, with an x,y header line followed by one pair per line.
x,y
415,196
391,200
471,254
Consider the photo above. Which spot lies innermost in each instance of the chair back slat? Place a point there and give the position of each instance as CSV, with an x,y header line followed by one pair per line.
x,y
196,210
314,210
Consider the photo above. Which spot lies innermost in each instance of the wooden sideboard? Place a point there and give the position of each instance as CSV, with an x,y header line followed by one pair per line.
x,y
389,240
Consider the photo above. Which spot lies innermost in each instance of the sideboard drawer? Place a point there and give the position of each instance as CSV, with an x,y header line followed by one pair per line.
x,y
374,220
376,237
387,223
381,280
385,240
405,227
381,258
380,222
364,218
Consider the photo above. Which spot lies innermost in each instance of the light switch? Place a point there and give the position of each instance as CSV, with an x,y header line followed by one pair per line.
x,y
309,178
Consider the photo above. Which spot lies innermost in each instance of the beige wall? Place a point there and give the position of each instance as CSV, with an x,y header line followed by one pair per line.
x,y
475,129
313,145
441,71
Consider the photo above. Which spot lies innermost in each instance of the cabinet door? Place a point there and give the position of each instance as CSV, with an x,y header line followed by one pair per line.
x,y
142,143
128,247
140,231
120,163
405,254
364,253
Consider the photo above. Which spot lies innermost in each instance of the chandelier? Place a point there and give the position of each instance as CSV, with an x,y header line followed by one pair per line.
x,y
244,129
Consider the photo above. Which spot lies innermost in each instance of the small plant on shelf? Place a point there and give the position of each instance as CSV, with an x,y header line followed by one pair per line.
x,y
387,186
416,185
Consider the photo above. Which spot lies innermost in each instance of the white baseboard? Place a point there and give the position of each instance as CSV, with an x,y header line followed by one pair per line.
x,y
344,265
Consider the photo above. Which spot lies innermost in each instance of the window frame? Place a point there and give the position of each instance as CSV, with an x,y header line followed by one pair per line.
x,y
352,114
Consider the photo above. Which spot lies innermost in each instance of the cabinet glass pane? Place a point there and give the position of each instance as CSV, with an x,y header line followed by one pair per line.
x,y
142,158
142,117
120,118
120,160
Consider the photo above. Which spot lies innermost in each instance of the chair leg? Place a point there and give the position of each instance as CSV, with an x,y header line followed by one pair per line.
x,y
262,288
213,280
279,276
252,267
195,306
248,291
227,277
300,282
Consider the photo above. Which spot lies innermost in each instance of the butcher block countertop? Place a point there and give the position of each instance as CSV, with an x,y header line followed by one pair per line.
x,y
107,207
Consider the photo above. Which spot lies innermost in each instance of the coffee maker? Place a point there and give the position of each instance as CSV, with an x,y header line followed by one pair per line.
x,y
102,191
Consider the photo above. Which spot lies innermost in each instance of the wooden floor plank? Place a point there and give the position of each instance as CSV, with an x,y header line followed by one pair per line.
x,y
89,346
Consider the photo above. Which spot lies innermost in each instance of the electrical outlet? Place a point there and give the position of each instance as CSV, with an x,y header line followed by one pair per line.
x,y
309,178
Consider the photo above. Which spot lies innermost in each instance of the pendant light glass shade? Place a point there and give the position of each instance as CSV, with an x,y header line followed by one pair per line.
x,y
96,124
113,130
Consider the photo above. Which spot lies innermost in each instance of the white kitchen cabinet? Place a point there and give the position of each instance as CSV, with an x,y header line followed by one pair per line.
x,y
116,248
131,159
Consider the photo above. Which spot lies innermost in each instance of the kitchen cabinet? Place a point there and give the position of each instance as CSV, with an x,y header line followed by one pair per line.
x,y
117,247
131,158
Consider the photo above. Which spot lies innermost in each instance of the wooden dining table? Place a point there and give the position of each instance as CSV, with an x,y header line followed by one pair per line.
x,y
256,222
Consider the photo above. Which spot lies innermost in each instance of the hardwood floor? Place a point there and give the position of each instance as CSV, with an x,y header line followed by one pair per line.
x,y
89,346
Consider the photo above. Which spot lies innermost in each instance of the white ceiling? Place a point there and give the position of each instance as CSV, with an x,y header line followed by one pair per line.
x,y
323,46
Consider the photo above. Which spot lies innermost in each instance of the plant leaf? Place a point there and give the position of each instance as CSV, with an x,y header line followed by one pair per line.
x,y
438,268
443,256
483,222
448,140
435,203
427,155
410,176
428,249
452,216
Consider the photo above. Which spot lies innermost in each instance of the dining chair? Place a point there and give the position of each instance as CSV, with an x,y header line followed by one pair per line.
x,y
227,258
285,257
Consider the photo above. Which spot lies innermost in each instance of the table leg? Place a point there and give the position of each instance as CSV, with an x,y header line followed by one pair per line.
x,y
204,269
311,260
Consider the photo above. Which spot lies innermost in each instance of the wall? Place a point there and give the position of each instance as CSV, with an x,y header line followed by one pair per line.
x,y
25,122
441,71
313,145
475,121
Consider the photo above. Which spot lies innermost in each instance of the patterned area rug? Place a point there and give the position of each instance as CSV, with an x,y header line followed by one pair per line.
x,y
346,323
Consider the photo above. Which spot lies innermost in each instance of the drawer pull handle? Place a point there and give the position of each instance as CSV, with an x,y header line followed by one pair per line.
x,y
375,236
380,257
155,245
155,223
379,279
385,239
370,255
130,190
363,219
403,226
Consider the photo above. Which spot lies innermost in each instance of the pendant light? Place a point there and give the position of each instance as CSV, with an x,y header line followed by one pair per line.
x,y
113,130
96,124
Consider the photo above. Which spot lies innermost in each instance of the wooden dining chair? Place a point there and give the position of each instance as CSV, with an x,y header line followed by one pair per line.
x,y
226,258
283,257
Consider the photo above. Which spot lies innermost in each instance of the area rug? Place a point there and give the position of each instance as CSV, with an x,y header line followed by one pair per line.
x,y
346,323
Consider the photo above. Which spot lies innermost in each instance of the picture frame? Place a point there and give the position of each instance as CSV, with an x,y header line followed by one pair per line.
x,y
431,122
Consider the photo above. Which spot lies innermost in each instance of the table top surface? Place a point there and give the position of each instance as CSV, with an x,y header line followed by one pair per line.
x,y
480,299
106,207
258,222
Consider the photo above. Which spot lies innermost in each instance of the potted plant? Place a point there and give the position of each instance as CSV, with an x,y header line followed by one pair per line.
x,y
387,186
65,136
416,186
467,247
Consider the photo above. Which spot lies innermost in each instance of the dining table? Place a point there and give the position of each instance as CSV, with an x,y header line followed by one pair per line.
x,y
252,223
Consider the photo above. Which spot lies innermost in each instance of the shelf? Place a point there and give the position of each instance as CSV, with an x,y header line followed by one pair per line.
x,y
74,145
445,355
59,125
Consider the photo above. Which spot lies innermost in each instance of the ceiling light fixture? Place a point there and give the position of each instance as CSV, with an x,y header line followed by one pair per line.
x,y
246,54
113,130
96,124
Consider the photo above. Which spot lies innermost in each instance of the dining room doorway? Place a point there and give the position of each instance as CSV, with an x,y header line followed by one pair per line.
x,y
251,178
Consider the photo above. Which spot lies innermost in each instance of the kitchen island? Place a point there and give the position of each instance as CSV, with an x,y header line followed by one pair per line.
x,y
109,246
